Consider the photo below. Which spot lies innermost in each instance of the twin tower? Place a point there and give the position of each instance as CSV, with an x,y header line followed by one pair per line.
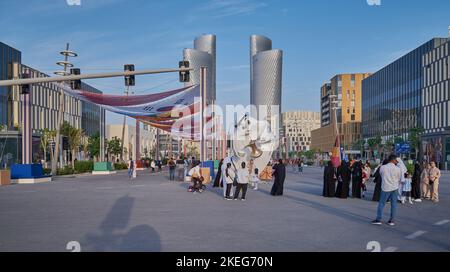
x,y
266,69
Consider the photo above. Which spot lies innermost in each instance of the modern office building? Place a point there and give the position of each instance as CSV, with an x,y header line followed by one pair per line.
x,y
435,105
341,107
392,97
297,126
8,56
266,68
325,106
203,55
44,108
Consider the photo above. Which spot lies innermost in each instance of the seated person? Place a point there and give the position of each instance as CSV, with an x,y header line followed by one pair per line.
x,y
197,178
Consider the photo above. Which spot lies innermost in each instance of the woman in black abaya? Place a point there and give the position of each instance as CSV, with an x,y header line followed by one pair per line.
x,y
279,172
415,185
377,181
329,180
356,179
218,179
344,177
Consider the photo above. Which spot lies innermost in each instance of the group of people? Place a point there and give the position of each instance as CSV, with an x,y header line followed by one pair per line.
x,y
394,183
236,179
297,165
337,181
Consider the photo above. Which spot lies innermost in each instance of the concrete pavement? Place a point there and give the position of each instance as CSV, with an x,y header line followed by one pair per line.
x,y
153,214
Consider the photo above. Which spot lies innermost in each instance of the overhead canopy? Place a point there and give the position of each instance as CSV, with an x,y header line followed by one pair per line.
x,y
173,111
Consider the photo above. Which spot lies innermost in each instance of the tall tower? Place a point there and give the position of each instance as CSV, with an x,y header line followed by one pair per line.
x,y
266,68
203,54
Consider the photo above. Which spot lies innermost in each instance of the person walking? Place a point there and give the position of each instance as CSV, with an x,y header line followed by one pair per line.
x,y
366,172
172,168
330,178
415,185
300,166
406,185
377,180
434,177
130,168
255,179
425,182
134,170
242,182
391,175
153,166
356,179
279,172
344,176
229,176
186,167
218,178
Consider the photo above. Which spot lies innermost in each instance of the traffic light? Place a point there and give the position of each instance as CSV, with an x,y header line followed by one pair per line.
x,y
185,76
26,88
129,80
75,84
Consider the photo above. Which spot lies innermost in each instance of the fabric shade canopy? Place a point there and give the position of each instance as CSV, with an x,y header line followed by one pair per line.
x,y
176,111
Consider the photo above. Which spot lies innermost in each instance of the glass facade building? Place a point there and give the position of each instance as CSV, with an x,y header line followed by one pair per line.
x,y
8,55
391,97
44,109
436,106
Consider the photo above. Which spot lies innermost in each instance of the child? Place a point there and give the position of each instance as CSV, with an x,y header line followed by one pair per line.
x,y
406,189
255,179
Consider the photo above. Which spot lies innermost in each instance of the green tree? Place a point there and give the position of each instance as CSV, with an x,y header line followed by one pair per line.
x,y
74,137
414,139
388,147
2,127
94,145
46,137
114,147
358,145
75,141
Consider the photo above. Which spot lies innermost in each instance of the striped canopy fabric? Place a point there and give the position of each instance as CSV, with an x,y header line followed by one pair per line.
x,y
176,111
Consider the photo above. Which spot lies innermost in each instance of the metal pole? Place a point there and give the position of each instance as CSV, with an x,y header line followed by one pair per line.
x,y
87,76
102,134
203,71
123,128
138,140
157,144
60,111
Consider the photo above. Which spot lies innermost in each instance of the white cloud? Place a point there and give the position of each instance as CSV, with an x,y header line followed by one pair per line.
x,y
225,8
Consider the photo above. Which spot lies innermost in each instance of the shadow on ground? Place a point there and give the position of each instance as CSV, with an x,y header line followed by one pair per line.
x,y
112,235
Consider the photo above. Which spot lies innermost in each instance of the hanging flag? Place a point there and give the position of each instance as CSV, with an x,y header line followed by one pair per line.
x,y
174,111
336,153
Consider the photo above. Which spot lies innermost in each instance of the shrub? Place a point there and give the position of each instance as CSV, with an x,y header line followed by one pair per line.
x,y
120,166
47,171
67,170
84,166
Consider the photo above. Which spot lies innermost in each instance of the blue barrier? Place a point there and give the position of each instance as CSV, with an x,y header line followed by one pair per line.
x,y
27,171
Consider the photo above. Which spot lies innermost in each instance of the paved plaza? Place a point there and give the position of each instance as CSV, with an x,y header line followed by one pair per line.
x,y
109,213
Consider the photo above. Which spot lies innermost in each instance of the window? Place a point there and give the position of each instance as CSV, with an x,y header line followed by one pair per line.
x,y
353,117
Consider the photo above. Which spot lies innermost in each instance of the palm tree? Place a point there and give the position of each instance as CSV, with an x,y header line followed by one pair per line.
x,y
46,137
75,140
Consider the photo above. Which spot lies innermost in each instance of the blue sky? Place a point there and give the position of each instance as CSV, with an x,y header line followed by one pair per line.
x,y
320,38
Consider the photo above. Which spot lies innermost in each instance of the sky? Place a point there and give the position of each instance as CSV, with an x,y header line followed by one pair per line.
x,y
320,38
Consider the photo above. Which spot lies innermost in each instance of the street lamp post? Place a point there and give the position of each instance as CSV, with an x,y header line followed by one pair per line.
x,y
66,64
